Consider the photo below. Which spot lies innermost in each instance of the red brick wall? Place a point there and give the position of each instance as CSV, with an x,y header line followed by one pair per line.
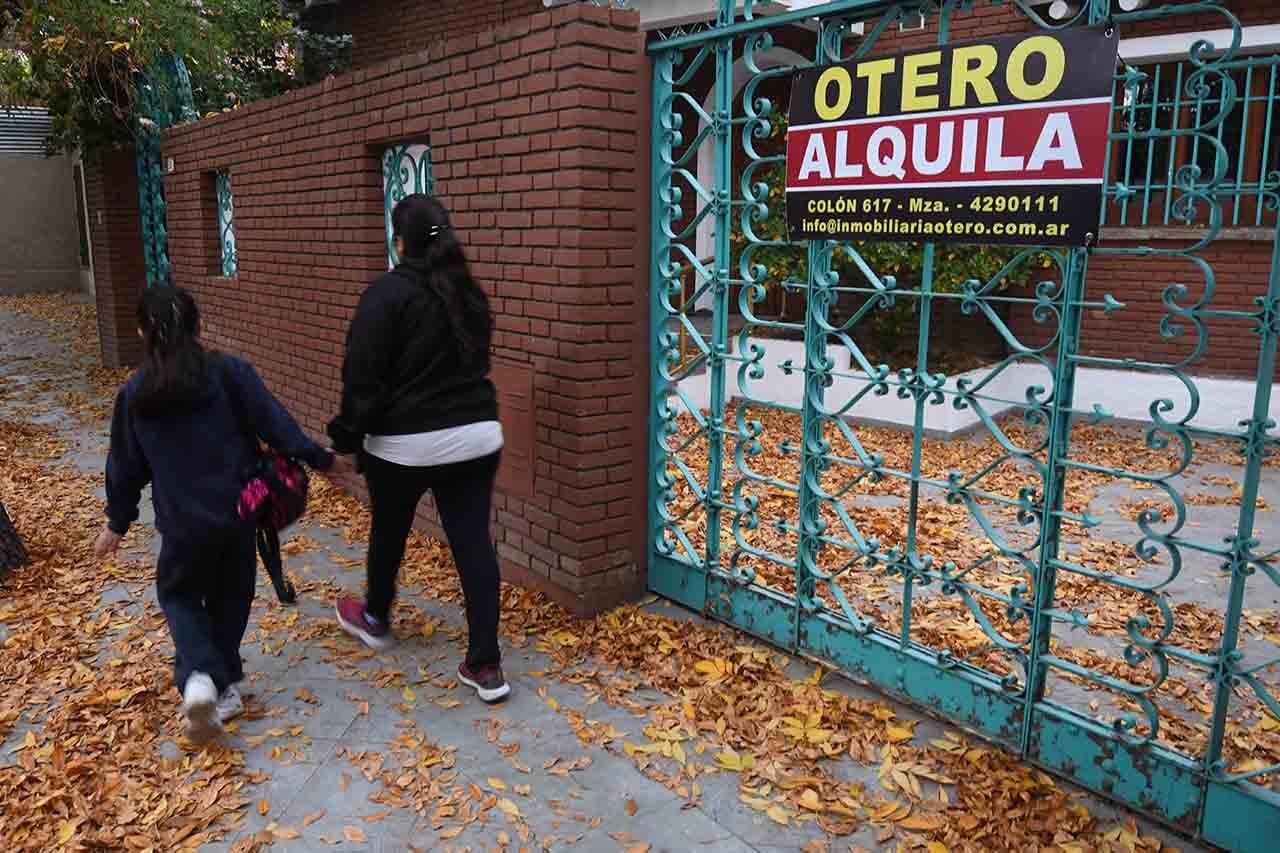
x,y
115,229
386,29
534,129
1241,270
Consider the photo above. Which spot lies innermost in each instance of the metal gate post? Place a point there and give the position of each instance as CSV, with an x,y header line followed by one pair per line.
x,y
817,376
1244,559
164,99
912,566
813,447
1051,506
1059,445
660,247
723,210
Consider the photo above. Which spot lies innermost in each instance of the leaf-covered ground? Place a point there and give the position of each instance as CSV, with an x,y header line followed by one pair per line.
x,y
1118,584
641,729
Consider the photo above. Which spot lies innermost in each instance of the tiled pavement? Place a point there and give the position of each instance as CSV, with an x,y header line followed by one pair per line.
x,y
310,753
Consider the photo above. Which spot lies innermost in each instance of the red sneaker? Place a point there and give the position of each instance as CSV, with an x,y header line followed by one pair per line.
x,y
357,622
486,681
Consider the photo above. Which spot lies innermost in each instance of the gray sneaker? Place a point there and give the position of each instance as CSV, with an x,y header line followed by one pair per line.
x,y
230,704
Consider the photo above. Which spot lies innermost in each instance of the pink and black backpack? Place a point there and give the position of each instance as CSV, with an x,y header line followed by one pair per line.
x,y
273,497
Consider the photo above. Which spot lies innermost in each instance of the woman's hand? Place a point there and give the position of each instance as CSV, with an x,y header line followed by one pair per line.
x,y
107,543
345,466
323,461
344,441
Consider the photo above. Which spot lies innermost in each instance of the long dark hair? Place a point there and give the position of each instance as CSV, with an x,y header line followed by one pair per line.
x,y
173,375
431,246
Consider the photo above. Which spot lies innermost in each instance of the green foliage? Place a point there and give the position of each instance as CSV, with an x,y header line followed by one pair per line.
x,y
81,58
786,262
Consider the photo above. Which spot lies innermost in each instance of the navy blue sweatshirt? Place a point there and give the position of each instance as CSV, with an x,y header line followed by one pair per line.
x,y
196,457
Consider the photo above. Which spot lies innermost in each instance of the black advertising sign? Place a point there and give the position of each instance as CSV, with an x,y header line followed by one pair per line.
x,y
997,141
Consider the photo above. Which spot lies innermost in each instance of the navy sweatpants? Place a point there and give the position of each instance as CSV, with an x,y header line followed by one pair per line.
x,y
206,588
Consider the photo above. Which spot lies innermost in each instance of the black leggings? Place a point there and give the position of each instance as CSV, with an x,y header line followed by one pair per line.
x,y
464,496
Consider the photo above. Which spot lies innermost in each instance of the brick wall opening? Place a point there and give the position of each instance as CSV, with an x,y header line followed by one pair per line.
x,y
209,222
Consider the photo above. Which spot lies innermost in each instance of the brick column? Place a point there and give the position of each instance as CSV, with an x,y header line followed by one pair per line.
x,y
580,155
115,227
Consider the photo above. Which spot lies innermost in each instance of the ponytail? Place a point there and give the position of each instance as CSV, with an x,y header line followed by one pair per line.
x,y
172,377
429,241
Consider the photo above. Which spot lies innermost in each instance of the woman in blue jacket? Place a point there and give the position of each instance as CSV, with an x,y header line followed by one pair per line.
x,y
177,427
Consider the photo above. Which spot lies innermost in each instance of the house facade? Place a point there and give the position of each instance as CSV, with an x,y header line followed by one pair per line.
x,y
43,229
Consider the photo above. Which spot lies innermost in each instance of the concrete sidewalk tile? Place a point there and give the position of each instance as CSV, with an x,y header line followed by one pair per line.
x,y
287,784
673,829
324,713
345,808
721,803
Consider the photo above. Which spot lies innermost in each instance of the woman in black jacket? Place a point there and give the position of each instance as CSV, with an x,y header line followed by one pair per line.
x,y
419,409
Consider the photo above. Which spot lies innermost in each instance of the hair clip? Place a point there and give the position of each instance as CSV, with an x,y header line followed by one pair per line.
x,y
434,231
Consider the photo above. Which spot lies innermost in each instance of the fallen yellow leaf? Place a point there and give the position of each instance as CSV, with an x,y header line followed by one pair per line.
x,y
731,760
354,834
899,734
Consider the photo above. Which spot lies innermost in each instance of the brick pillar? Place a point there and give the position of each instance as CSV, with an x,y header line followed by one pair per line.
x,y
584,150
115,226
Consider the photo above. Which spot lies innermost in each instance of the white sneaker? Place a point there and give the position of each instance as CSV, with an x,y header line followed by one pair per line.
x,y
199,706
230,704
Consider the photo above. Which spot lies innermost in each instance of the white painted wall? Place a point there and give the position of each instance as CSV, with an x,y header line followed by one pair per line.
x,y
1178,45
1124,394
655,14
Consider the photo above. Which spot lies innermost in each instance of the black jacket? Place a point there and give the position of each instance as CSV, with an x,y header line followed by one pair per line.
x,y
404,371
195,457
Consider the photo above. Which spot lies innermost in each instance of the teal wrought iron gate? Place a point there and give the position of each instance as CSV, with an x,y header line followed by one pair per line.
x,y
1057,578
164,99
